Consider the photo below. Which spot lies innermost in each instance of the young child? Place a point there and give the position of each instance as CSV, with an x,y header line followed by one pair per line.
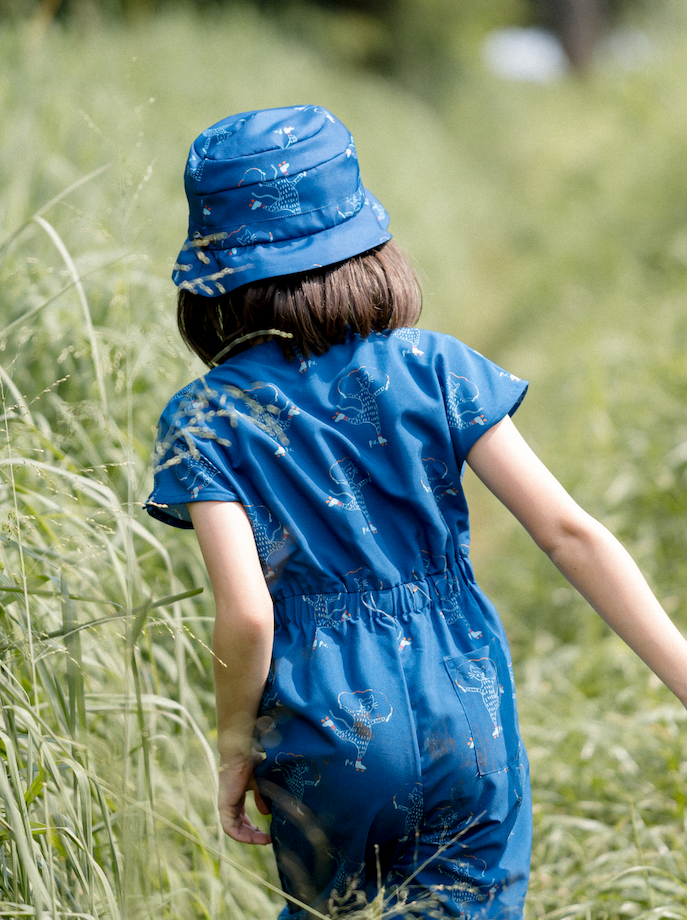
x,y
320,462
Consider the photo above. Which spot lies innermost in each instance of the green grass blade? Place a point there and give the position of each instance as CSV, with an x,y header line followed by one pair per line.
x,y
75,678
90,332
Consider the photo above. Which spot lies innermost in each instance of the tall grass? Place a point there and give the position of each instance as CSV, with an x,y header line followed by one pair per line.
x,y
108,782
589,277
107,779
108,776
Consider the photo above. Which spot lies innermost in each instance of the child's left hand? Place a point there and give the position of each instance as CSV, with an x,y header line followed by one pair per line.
x,y
235,779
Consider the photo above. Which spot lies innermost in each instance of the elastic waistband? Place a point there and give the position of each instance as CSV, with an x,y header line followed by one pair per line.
x,y
368,603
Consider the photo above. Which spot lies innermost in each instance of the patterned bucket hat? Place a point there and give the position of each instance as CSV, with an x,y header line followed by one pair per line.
x,y
271,193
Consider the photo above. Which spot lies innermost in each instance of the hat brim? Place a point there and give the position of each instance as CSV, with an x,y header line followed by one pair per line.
x,y
205,268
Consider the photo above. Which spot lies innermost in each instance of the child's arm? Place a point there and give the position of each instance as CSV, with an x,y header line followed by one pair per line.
x,y
588,555
242,648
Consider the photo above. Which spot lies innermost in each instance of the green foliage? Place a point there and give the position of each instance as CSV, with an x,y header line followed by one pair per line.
x,y
108,796
608,759
421,44
588,213
548,226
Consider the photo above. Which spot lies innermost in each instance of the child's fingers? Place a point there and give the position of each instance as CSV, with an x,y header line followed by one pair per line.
x,y
236,824
245,831
234,781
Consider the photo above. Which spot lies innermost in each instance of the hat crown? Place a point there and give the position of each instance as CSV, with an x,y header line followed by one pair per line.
x,y
233,152
273,192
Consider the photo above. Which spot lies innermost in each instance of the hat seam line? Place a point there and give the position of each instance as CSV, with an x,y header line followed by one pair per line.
x,y
275,149
271,243
250,184
268,220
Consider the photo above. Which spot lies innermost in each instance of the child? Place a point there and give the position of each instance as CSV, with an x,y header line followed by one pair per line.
x,y
320,461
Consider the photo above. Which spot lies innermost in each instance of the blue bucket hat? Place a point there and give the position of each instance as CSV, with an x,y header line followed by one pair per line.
x,y
271,193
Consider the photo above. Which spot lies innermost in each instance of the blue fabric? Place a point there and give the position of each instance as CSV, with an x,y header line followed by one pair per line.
x,y
273,192
389,720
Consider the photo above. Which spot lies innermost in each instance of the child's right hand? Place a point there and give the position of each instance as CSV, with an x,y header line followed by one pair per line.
x,y
235,779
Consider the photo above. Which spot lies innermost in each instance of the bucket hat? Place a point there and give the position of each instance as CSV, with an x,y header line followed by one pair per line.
x,y
273,192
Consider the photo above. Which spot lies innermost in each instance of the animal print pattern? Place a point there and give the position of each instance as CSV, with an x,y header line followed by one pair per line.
x,y
463,888
438,481
298,773
462,403
280,194
346,474
365,708
364,386
447,588
270,411
488,688
413,808
270,535
222,132
412,337
327,611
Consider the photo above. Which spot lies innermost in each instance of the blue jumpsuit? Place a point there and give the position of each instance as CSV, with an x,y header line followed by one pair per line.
x,y
389,724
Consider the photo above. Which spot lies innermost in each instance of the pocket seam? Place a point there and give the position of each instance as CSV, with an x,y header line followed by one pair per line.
x,y
493,652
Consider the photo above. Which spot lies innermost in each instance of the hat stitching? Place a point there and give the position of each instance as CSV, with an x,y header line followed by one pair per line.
x,y
204,242
196,172
223,234
225,132
348,152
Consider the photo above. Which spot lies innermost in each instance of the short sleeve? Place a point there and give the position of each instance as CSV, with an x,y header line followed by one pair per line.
x,y
190,461
477,393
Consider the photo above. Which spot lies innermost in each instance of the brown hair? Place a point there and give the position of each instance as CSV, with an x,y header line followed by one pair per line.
x,y
370,292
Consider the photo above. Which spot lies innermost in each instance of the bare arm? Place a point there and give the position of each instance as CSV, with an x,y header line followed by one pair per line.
x,y
242,648
587,554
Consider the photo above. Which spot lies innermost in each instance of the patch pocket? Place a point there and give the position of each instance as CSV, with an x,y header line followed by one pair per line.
x,y
482,682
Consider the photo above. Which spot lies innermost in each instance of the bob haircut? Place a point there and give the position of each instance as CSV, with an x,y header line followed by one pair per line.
x,y
370,292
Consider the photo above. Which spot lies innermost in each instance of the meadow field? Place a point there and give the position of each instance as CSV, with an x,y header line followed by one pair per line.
x,y
548,224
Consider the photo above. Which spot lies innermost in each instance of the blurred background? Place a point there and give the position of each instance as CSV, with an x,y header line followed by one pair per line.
x,y
532,155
